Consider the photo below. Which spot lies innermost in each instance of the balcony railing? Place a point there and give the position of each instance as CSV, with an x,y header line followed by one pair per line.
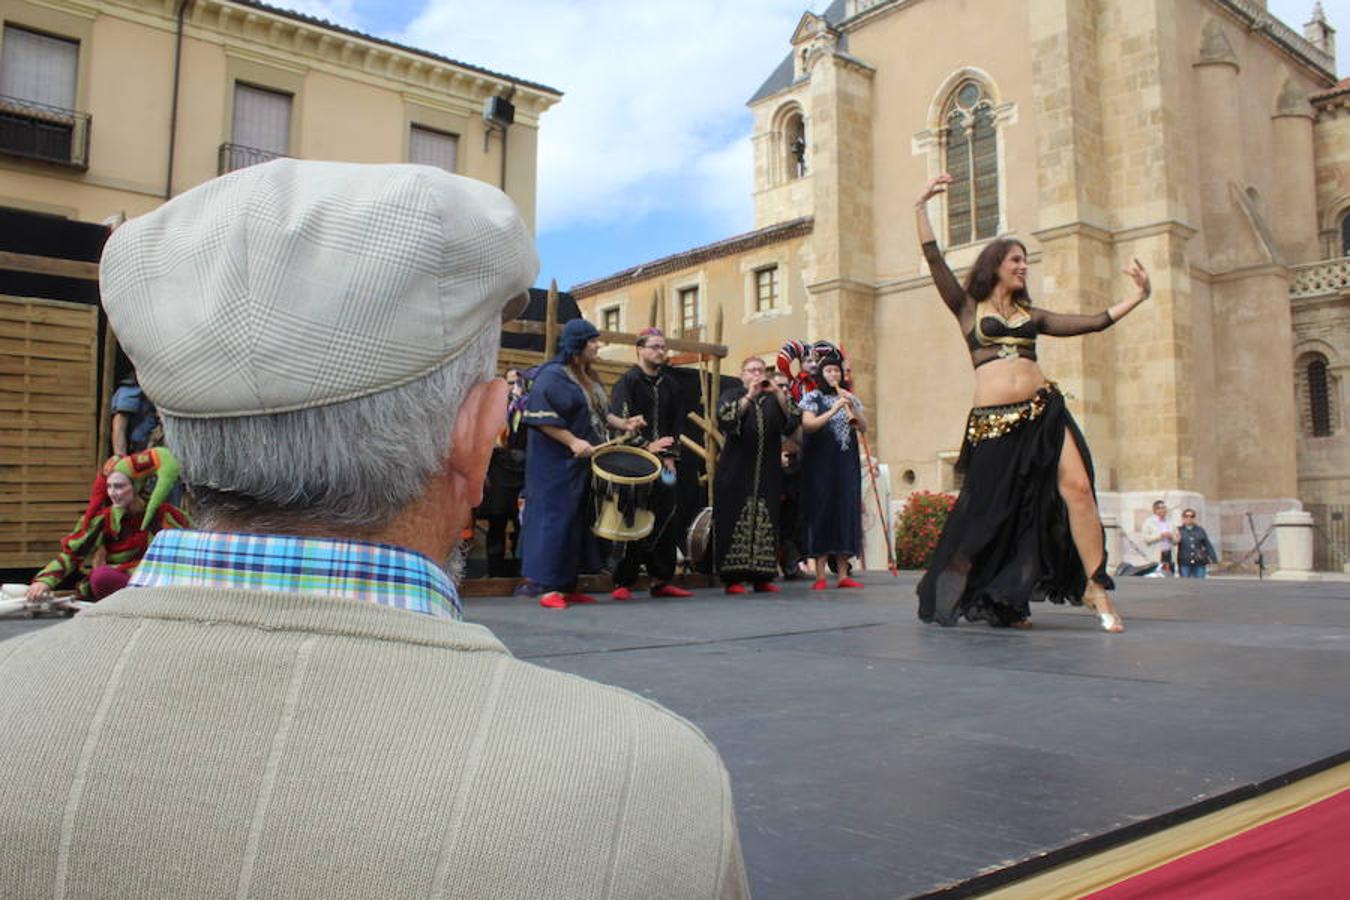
x,y
1319,279
49,133
237,156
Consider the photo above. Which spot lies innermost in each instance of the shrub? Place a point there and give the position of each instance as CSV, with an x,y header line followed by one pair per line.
x,y
921,521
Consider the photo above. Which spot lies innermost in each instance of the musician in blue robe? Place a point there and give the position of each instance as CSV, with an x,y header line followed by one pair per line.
x,y
567,416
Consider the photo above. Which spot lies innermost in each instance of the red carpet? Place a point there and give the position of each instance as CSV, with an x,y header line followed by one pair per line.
x,y
1305,854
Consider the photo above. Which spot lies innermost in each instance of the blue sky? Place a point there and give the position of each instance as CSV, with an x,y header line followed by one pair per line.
x,y
648,153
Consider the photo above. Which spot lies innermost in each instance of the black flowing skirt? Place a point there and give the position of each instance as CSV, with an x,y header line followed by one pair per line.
x,y
1007,541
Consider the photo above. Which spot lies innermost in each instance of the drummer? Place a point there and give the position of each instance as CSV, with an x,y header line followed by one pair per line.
x,y
566,415
647,391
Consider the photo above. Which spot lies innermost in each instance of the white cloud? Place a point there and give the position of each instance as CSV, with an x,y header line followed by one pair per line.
x,y
653,116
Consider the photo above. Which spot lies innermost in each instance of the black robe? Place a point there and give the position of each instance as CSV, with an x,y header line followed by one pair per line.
x,y
749,485
654,398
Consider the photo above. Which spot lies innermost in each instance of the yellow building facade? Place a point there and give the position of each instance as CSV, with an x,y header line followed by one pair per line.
x,y
1203,137
111,106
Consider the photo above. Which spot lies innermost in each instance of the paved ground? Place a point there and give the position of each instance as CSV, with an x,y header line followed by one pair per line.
x,y
875,757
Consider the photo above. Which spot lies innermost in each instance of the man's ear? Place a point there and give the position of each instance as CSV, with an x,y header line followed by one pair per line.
x,y
481,416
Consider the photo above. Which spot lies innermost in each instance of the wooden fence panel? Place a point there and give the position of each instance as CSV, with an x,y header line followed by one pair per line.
x,y
48,401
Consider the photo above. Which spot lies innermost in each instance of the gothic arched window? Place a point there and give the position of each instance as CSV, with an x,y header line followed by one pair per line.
x,y
970,150
1345,234
794,143
1319,396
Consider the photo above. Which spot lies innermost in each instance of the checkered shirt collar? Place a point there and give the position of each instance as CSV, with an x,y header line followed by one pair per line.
x,y
351,570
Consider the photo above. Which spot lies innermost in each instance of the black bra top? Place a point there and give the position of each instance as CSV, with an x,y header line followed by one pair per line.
x,y
992,330
991,336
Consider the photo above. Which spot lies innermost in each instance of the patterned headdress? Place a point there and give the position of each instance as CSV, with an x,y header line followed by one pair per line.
x,y
140,467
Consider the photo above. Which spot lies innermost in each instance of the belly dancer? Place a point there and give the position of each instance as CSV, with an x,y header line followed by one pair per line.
x,y
1025,526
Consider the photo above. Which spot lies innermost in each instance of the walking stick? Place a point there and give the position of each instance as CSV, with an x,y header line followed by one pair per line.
x,y
876,495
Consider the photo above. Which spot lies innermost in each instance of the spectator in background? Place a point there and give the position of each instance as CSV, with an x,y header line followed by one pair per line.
x,y
288,704
1194,551
128,505
1160,536
135,424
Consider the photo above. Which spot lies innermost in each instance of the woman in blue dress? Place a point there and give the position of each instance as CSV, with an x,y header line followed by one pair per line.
x,y
567,418
831,481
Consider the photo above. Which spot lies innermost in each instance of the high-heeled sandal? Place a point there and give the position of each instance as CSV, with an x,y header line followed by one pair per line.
x,y
1110,621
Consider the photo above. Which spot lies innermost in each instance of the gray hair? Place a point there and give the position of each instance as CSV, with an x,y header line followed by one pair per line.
x,y
354,464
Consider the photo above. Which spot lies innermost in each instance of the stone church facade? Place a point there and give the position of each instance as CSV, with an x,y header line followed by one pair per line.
x,y
1203,137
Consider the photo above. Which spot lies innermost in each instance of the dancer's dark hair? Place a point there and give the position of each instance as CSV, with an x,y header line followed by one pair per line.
x,y
984,274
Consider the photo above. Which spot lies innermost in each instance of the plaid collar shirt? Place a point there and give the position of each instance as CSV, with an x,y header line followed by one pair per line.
x,y
352,570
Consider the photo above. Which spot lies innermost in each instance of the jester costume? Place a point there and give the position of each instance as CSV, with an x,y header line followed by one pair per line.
x,y
108,527
808,358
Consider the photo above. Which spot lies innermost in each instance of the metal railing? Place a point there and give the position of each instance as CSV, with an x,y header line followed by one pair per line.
x,y
39,131
237,156
1330,276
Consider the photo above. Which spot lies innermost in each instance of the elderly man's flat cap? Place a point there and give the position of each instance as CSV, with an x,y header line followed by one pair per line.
x,y
296,284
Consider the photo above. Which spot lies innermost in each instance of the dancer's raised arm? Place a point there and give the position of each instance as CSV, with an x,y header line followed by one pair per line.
x,y
1068,324
948,287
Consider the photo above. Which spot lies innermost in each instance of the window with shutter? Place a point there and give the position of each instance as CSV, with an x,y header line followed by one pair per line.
x,y
39,68
429,147
262,119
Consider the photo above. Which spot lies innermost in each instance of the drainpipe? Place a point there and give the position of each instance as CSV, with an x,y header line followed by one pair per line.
x,y
510,95
173,112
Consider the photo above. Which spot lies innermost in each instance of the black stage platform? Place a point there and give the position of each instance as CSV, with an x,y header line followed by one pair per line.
x,y
875,757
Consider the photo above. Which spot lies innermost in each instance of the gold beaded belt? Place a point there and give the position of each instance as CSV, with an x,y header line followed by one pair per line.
x,y
988,422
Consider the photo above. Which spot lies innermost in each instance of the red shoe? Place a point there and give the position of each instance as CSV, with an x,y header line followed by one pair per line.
x,y
847,582
735,588
621,594
670,590
820,585
553,600
767,587
581,598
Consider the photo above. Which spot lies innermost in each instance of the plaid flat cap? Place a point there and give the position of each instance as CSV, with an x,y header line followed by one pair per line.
x,y
296,283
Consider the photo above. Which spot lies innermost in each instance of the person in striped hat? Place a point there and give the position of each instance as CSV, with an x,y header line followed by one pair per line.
x,y
128,504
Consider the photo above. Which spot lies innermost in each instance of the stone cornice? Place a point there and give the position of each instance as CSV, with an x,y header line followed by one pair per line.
x,y
1259,21
301,42
697,256
865,11
840,284
70,7
1241,273
1073,229
1251,14
1098,233
1170,227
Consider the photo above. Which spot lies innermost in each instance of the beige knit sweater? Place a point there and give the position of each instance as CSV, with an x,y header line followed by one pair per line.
x,y
195,743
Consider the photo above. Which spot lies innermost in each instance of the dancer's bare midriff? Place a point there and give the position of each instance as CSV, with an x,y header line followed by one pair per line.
x,y
1004,381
